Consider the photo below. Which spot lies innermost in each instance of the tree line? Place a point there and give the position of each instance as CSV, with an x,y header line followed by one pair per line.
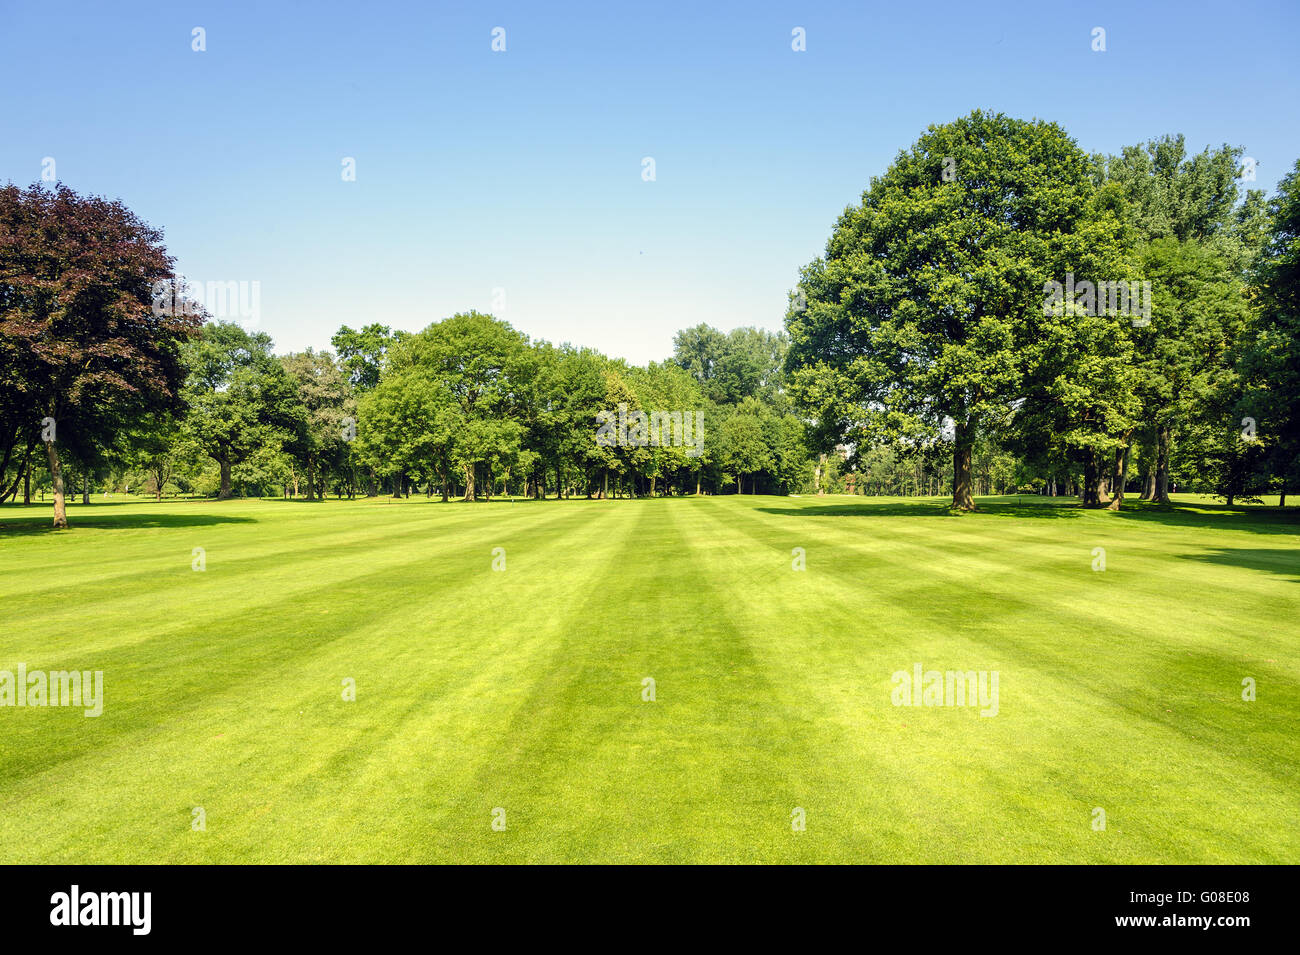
x,y
117,393
1001,312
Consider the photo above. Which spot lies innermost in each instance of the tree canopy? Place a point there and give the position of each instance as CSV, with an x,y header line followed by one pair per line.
x,y
1000,311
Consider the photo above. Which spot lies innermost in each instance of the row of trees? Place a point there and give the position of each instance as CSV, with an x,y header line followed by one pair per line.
x,y
928,322
123,394
471,404
470,408
925,350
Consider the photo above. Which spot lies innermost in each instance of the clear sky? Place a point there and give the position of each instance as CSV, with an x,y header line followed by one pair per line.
x,y
522,170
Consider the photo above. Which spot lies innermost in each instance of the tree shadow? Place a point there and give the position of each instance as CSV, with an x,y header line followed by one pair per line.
x,y
1285,562
928,508
1255,520
1259,520
30,525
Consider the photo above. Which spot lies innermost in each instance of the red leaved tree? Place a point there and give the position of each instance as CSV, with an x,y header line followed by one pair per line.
x,y
84,354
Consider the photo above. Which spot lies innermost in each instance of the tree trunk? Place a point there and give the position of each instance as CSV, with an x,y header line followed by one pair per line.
x,y
4,466
1165,440
311,479
225,481
963,446
24,477
85,487
1120,477
469,482
1281,501
1088,492
1231,495
56,479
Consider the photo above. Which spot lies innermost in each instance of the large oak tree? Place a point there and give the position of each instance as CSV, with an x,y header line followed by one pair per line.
x,y
916,323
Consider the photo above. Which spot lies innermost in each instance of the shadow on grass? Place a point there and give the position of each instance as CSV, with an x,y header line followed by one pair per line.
x,y
30,524
1259,520
1285,562
1256,520
930,508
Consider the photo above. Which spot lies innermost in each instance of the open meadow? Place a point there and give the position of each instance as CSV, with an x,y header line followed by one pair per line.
x,y
499,654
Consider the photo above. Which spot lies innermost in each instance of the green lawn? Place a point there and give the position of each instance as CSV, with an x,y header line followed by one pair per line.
x,y
522,689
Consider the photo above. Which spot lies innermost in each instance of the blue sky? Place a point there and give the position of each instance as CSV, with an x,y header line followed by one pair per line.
x,y
521,170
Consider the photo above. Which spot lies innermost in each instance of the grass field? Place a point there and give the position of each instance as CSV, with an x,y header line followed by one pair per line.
x,y
521,689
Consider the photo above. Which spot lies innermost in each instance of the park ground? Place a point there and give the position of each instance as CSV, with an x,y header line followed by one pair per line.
x,y
518,694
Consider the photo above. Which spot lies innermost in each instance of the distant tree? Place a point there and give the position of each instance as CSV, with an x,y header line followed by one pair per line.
x,y
152,448
408,424
789,452
240,397
622,461
747,451
363,353
562,411
745,362
321,394
1218,459
486,367
1172,195
700,350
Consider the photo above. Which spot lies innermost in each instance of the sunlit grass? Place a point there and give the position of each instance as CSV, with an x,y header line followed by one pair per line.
x,y
522,689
